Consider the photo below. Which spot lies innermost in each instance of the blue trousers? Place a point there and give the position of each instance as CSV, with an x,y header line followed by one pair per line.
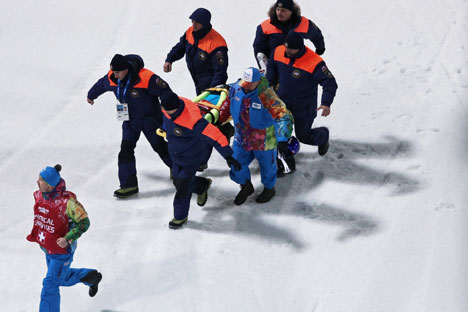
x,y
305,133
266,160
59,274
130,136
186,183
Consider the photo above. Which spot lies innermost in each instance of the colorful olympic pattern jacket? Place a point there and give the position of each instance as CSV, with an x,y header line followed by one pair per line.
x,y
298,80
141,94
206,56
57,214
189,134
271,34
260,118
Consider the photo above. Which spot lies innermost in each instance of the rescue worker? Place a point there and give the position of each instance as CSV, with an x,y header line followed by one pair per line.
x,y
137,90
205,52
299,71
59,220
284,16
189,136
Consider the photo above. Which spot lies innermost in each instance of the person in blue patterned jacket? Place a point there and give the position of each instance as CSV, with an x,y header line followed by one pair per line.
x,y
261,120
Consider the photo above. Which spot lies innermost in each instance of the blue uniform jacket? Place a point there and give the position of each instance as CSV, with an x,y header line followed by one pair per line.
x,y
142,93
189,135
299,79
270,36
206,56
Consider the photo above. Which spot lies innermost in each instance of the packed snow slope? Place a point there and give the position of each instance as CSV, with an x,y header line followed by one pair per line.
x,y
378,224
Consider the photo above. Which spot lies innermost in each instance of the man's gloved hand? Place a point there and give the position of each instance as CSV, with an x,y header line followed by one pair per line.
x,y
231,161
320,51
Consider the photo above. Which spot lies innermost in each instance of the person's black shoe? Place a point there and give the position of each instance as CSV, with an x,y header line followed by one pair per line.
x,y
93,278
266,195
323,149
126,192
177,224
203,197
247,189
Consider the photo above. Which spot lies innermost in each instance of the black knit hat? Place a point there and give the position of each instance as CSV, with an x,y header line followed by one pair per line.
x,y
294,41
285,4
119,62
202,16
169,101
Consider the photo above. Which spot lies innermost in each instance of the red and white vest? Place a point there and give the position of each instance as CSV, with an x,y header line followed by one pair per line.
x,y
50,221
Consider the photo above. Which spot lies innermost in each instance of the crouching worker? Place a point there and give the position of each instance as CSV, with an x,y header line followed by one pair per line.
x,y
189,136
261,120
59,220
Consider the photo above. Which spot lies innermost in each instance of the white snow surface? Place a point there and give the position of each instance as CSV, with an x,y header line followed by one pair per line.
x,y
378,224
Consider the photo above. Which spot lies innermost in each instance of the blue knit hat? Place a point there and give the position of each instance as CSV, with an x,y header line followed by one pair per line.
x,y
170,101
251,74
202,16
51,175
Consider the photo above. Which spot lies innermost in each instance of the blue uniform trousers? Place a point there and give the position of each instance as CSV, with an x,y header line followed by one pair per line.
x,y
186,183
59,273
266,160
130,136
304,133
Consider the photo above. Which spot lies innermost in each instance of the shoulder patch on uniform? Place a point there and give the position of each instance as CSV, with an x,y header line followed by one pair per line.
x,y
327,72
161,83
202,56
177,132
296,73
134,93
220,58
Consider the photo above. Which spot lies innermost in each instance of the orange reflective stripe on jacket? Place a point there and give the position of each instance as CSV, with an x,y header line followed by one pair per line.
x,y
269,28
303,26
144,74
211,41
215,134
307,62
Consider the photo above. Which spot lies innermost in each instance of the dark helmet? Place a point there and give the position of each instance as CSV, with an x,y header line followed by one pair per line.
x,y
293,145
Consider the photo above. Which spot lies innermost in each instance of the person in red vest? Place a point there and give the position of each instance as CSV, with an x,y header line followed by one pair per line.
x,y
297,71
59,220
137,90
284,17
189,136
205,52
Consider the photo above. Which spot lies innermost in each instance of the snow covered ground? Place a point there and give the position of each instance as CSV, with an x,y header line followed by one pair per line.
x,y
379,224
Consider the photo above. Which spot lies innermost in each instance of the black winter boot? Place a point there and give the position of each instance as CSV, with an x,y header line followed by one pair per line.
x,y
247,189
323,149
93,278
266,195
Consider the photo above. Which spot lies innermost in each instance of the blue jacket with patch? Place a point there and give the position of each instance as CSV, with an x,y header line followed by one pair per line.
x,y
298,80
141,95
206,56
188,135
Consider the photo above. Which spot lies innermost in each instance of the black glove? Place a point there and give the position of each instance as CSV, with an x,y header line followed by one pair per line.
x,y
231,161
283,149
320,51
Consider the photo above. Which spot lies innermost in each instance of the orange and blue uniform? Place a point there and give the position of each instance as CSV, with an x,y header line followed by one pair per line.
x,y
298,79
271,34
189,136
206,56
141,95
